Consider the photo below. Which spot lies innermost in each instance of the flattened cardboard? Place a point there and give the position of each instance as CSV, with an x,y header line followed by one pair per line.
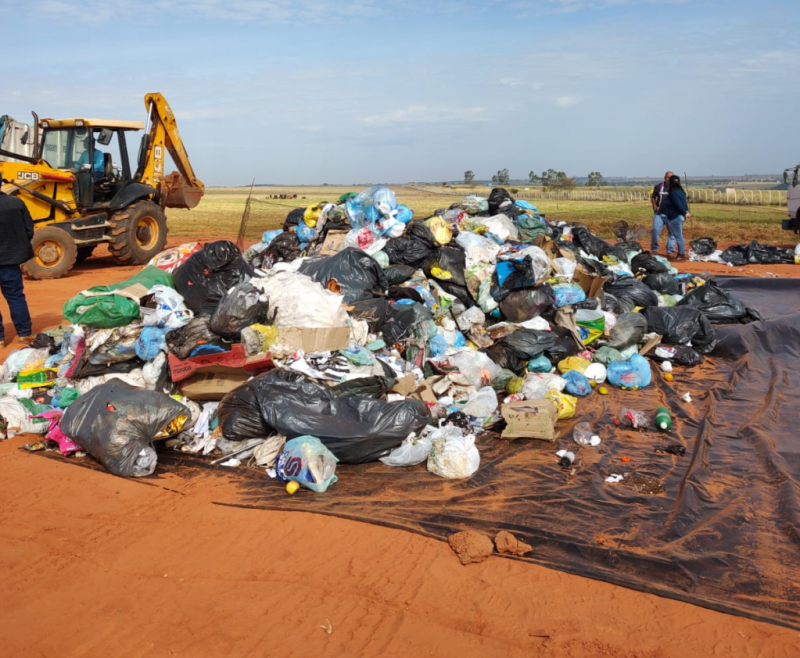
x,y
530,419
320,339
650,344
551,248
213,383
334,243
405,385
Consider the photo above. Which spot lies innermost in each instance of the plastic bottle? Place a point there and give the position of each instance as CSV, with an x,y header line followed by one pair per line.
x,y
582,434
663,418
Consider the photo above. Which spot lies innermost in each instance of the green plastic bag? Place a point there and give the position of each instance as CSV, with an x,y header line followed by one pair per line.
x,y
66,396
98,307
529,227
591,325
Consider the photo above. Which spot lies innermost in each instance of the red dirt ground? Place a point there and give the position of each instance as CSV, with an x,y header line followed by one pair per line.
x,y
96,565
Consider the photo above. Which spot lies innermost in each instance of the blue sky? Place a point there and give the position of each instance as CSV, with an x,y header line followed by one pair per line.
x,y
305,91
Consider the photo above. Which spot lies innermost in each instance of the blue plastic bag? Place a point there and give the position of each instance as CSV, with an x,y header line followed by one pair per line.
x,y
577,384
526,205
150,342
567,294
269,236
370,205
404,214
307,461
305,233
437,345
540,364
633,372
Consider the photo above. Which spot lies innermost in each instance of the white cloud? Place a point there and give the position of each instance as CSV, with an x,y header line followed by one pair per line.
x,y
427,114
567,101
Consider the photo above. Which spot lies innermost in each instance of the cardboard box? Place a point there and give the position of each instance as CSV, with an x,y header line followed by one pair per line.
x,y
319,339
551,248
591,283
213,383
530,419
334,243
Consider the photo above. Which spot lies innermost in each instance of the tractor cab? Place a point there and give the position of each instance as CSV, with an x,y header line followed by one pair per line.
x,y
95,151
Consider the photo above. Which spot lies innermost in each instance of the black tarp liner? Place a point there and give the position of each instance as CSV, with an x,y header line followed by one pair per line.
x,y
725,532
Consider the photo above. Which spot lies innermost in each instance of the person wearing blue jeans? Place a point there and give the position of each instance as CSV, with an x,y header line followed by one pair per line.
x,y
676,209
16,233
658,200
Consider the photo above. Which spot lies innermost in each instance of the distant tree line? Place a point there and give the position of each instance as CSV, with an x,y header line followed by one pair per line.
x,y
549,179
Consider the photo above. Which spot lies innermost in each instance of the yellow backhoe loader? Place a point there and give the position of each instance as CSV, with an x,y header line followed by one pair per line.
x,y
80,197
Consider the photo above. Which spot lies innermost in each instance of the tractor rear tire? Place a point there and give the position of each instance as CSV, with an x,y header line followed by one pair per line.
x,y
138,233
54,252
85,252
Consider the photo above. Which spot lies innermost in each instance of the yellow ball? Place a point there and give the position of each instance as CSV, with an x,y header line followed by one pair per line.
x,y
602,390
668,376
292,487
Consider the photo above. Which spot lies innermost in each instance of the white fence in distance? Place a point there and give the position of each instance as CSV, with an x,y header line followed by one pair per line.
x,y
729,196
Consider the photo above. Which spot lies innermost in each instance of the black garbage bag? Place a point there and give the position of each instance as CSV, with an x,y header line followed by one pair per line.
x,y
662,282
375,312
500,201
646,262
758,254
452,260
294,217
681,355
629,289
116,424
42,341
356,272
629,330
208,274
364,387
397,274
402,320
522,305
565,345
719,306
704,246
522,274
513,352
182,342
284,248
355,429
416,248
589,304
594,246
680,325
88,369
240,308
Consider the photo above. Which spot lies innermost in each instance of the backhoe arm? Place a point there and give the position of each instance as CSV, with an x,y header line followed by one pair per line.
x,y
175,190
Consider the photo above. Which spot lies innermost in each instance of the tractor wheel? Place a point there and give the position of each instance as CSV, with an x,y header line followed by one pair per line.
x,y
138,233
85,252
54,254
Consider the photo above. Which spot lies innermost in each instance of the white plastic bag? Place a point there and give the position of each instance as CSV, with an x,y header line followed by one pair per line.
x,y
500,225
477,248
537,384
478,368
300,301
564,269
170,311
16,420
472,316
481,404
413,450
453,456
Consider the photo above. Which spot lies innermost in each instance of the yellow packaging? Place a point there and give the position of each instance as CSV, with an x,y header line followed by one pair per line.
x,y
565,404
573,363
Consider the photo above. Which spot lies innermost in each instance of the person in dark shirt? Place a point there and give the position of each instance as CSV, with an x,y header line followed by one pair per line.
x,y
658,200
16,233
676,209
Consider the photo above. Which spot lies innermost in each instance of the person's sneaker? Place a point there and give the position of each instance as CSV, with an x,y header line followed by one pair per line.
x,y
25,340
679,258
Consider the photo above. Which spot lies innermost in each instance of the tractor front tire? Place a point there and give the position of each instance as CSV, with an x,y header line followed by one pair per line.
x,y
54,254
138,233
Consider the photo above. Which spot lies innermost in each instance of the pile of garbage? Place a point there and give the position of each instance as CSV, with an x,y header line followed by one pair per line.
x,y
358,333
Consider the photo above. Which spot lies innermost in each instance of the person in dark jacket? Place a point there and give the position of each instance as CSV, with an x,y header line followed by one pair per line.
x,y
676,209
659,199
16,233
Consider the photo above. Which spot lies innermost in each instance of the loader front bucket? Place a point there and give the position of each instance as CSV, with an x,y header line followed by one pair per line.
x,y
179,193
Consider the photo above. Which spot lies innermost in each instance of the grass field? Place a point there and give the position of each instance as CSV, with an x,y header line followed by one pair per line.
x,y
219,214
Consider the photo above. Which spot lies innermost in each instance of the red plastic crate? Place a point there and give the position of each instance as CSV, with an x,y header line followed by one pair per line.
x,y
236,359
